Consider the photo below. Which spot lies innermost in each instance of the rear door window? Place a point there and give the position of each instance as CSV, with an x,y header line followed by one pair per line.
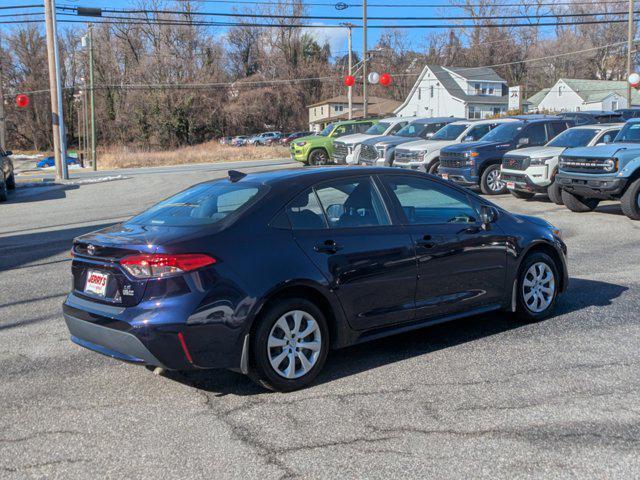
x,y
536,134
305,213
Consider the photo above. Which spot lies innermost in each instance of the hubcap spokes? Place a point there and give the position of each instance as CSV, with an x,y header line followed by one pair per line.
x,y
494,181
294,343
538,287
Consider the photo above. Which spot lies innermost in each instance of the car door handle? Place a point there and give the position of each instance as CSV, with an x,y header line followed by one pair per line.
x,y
329,246
426,241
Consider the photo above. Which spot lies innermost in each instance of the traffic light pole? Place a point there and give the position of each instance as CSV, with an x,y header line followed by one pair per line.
x,y
350,88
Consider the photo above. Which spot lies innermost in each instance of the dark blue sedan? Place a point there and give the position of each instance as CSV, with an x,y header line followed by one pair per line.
x,y
265,273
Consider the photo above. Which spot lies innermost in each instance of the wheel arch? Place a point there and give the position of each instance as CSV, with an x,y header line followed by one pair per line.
x,y
330,307
547,248
486,164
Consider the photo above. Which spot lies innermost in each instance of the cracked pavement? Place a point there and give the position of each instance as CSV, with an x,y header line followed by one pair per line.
x,y
483,397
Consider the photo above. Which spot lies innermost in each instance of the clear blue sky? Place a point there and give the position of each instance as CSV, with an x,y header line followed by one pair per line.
x,y
337,38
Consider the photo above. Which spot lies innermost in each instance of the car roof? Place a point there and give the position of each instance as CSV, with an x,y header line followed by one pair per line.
x,y
600,126
590,112
427,120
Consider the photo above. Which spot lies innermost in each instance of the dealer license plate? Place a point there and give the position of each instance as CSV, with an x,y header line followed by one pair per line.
x,y
96,283
511,185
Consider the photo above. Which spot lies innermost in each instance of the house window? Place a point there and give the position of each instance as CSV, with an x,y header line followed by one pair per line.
x,y
559,90
496,110
474,112
419,94
491,91
321,110
431,91
614,105
477,87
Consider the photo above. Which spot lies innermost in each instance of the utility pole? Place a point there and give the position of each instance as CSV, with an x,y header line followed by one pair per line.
x,y
350,88
365,100
629,52
55,89
85,113
92,105
3,120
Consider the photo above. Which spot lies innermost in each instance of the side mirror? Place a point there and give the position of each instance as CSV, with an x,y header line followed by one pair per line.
x,y
488,215
522,141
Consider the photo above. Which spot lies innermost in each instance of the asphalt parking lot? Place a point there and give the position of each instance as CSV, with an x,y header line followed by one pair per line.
x,y
483,397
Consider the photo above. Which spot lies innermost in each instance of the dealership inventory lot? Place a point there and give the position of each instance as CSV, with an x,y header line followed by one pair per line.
x,y
480,397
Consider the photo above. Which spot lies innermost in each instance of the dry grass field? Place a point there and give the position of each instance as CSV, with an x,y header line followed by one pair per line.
x,y
124,157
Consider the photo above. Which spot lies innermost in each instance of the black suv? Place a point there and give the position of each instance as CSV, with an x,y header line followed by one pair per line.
x,y
589,117
8,179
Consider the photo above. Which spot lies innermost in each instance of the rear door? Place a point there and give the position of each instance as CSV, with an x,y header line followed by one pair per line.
x,y
460,265
346,230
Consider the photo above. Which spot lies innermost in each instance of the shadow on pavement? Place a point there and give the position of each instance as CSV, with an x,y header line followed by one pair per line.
x,y
353,360
40,193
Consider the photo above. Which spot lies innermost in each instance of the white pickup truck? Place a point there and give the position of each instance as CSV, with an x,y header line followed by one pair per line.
x,y
343,148
424,154
532,170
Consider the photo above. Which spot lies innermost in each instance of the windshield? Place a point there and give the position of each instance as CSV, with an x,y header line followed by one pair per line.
x,y
450,132
630,133
378,128
503,133
411,130
327,130
202,204
574,137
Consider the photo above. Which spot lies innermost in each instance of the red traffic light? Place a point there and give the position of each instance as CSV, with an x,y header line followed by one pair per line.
x,y
22,100
385,79
349,80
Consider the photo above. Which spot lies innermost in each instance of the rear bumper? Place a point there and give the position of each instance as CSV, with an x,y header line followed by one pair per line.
x,y
174,346
592,186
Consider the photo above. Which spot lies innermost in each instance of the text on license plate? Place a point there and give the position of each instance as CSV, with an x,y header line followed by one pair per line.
x,y
96,283
511,185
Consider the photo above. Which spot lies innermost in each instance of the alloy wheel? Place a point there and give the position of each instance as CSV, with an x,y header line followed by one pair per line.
x,y
494,182
538,287
294,344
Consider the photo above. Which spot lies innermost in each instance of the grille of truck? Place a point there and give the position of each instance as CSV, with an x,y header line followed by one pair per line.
x,y
340,151
584,165
368,153
407,156
516,162
452,160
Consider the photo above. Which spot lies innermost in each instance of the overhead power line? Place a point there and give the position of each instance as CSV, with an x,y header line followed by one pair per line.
x,y
333,17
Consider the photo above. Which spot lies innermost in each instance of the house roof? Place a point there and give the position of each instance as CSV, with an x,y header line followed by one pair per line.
x,y
535,99
597,90
477,73
344,99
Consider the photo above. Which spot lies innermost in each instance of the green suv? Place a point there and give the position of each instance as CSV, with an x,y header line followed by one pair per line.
x,y
317,149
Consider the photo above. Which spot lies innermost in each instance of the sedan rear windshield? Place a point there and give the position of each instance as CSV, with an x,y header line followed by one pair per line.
x,y
202,204
574,137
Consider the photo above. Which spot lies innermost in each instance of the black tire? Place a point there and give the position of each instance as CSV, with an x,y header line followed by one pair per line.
x,y
524,312
4,192
433,168
554,192
319,156
11,181
487,179
261,370
631,201
579,204
522,195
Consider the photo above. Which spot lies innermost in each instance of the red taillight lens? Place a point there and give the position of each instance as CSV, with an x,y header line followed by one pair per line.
x,y
162,265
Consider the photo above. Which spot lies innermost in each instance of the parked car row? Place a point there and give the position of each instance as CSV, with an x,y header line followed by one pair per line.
x,y
265,138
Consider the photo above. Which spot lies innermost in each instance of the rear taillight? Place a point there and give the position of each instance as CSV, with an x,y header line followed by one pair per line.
x,y
162,265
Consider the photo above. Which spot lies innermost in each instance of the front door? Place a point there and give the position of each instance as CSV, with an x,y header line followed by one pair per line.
x,y
367,261
460,265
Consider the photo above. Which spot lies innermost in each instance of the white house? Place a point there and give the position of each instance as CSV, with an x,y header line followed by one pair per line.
x,y
464,92
574,95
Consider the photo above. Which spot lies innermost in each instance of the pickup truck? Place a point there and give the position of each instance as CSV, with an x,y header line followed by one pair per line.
x,y
379,151
607,172
343,149
478,163
317,149
533,170
424,155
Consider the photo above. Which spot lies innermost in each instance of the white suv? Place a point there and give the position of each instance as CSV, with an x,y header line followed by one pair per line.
x,y
532,170
343,148
424,154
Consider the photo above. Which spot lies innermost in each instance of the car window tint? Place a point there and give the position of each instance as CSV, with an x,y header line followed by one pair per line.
x,y
536,134
352,203
305,213
425,202
396,127
607,137
480,131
